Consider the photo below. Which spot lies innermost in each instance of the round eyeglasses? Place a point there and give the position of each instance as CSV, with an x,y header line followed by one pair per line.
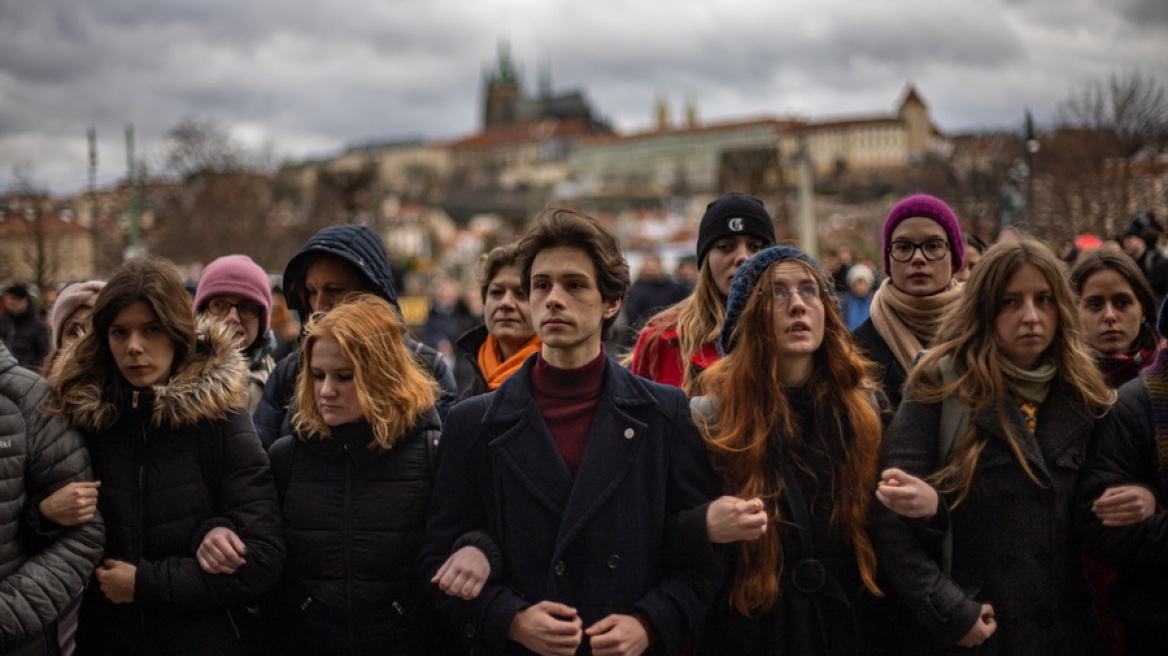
x,y
222,307
932,249
809,294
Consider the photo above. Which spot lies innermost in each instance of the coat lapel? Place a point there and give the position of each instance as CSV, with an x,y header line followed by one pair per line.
x,y
528,451
1060,426
613,443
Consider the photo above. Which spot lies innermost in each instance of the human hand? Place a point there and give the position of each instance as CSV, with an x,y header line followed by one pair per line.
x,y
982,629
1124,505
71,505
618,635
907,495
464,573
730,519
117,579
221,551
547,628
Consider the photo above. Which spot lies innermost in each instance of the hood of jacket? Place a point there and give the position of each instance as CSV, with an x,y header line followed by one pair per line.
x,y
356,244
212,382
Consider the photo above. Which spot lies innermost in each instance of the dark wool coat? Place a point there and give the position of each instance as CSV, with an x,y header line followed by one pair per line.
x,y
598,542
43,566
176,460
823,608
361,248
1012,539
353,519
469,344
891,373
1123,452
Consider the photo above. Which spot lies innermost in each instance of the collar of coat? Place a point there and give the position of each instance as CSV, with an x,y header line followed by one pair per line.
x,y
212,382
513,398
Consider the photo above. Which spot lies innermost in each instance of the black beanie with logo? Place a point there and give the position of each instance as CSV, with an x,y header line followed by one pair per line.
x,y
731,215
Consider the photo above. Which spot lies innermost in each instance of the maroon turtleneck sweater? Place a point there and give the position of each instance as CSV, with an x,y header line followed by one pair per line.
x,y
567,399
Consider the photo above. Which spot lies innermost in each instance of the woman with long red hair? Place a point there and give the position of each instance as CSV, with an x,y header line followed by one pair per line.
x,y
792,421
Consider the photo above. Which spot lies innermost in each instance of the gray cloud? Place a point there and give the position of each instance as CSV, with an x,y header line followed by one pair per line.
x,y
313,76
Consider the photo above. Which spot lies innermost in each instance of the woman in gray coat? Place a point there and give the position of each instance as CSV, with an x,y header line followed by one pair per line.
x,y
1005,454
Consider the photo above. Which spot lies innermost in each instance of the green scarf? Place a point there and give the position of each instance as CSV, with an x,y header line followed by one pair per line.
x,y
1030,386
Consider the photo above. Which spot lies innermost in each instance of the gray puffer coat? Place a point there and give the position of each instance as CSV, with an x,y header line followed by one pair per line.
x,y
42,566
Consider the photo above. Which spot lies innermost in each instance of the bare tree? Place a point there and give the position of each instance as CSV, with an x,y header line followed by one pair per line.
x,y
1104,132
38,252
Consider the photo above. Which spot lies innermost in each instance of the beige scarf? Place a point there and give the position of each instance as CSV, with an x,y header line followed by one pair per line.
x,y
909,323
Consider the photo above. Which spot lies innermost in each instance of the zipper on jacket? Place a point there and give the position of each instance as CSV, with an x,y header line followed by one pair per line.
x,y
399,608
347,522
306,603
134,400
234,627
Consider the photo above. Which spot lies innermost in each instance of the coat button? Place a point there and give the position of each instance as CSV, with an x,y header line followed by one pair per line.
x,y
561,568
469,630
613,561
629,433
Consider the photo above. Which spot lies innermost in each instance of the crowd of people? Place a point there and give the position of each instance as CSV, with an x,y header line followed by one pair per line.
x,y
965,450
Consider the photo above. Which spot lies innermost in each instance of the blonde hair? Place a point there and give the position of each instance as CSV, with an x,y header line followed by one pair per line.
x,y
968,336
393,390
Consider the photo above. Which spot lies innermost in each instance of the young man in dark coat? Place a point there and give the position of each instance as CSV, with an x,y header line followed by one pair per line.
x,y
22,328
581,474
335,262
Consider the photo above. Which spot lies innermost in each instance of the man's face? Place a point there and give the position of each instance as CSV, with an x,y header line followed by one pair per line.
x,y
328,281
566,306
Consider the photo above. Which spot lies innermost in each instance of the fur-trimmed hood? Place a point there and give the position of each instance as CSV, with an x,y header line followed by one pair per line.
x,y
212,382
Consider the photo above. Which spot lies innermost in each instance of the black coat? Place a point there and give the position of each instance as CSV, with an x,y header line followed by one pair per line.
x,y
597,542
354,518
469,344
891,374
176,460
26,336
823,608
1012,538
1123,452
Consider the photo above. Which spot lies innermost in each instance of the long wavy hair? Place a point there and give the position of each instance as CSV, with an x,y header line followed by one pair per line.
x,y
151,280
697,320
968,337
393,390
754,417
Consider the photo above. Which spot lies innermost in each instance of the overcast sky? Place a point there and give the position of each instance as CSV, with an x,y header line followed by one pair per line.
x,y
310,77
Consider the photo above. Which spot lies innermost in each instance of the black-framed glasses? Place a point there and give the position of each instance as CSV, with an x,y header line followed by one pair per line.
x,y
809,294
222,307
932,249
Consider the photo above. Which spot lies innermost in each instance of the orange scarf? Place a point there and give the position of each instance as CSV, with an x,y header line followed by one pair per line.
x,y
495,370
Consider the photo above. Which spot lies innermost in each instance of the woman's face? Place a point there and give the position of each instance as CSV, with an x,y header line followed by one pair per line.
x,y
507,311
920,276
333,386
972,257
796,313
76,326
726,255
1109,313
142,349
1027,318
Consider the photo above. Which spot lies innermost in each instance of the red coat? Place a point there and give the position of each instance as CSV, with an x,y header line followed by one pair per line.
x,y
657,355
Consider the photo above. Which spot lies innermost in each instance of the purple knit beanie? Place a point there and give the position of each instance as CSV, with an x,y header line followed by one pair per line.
x,y
928,207
237,274
69,299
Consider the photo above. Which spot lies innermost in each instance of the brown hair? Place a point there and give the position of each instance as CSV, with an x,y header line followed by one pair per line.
x,y
491,263
752,406
392,388
151,280
1121,263
968,336
556,227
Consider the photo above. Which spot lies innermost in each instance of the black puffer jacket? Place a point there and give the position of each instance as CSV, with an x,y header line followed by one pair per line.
x,y
354,518
176,460
42,566
1123,452
363,249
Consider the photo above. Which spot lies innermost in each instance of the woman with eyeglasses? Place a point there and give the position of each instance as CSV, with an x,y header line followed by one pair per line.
x,y
923,251
234,289
792,423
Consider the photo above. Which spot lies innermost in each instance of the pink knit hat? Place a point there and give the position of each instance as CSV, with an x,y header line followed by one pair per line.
x,y
73,296
237,274
928,207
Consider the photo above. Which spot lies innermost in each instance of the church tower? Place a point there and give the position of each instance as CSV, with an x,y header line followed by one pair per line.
x,y
502,91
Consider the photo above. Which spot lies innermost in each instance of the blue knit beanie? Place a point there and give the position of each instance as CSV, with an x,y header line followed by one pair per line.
x,y
747,278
